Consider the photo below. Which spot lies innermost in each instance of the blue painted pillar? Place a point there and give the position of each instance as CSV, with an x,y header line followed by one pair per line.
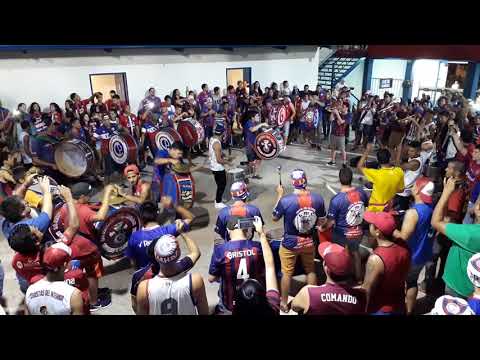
x,y
367,75
471,82
407,91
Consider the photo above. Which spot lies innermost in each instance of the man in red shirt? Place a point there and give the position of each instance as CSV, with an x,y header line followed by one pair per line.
x,y
336,296
471,157
130,122
140,189
387,267
79,105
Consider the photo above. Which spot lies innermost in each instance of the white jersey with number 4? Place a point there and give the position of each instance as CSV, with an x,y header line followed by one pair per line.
x,y
49,298
171,296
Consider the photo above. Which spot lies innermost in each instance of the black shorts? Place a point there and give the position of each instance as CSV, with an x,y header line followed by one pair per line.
x,y
251,154
340,239
369,132
413,274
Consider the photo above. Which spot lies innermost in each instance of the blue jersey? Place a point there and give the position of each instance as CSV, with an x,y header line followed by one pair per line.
x,y
249,136
300,212
160,170
346,209
239,208
421,241
474,304
140,240
41,222
234,262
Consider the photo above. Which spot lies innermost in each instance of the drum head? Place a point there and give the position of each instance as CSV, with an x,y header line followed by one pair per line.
x,y
35,187
164,140
70,159
188,133
116,230
309,115
118,148
266,146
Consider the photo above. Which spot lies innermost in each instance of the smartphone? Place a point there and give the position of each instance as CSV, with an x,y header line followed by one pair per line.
x,y
245,223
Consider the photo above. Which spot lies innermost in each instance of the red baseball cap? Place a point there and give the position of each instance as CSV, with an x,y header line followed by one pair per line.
x,y
56,255
336,258
131,167
384,221
425,186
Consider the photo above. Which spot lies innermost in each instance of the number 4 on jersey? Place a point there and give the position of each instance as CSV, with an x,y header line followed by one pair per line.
x,y
242,270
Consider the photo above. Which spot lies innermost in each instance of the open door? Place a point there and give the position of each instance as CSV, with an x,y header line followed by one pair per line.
x,y
234,75
106,82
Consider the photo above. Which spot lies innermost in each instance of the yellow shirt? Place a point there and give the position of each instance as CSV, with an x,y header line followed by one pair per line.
x,y
33,199
386,183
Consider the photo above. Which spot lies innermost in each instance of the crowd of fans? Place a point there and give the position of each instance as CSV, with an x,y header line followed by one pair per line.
x,y
419,206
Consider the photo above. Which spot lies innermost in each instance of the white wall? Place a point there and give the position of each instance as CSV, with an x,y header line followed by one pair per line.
x,y
53,76
426,73
355,79
389,68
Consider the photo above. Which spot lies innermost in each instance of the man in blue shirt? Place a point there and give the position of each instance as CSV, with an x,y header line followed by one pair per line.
x,y
345,215
140,240
239,192
418,233
163,160
250,128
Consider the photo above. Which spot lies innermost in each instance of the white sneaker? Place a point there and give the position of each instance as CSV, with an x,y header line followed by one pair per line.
x,y
219,205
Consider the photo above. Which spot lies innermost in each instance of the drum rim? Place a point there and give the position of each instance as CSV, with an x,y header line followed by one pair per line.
x,y
76,143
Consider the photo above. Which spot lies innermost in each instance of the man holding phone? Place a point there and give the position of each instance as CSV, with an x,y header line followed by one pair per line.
x,y
235,261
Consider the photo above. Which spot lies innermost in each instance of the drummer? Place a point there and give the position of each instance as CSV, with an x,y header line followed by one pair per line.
x,y
78,132
149,126
102,136
130,122
250,128
240,194
163,160
140,189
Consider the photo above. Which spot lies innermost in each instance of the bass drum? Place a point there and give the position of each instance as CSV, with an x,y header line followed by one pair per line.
x,y
114,232
34,194
123,149
191,132
74,158
166,137
180,188
269,144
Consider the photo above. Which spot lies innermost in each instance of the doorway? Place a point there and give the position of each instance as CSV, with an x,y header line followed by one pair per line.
x,y
239,74
112,81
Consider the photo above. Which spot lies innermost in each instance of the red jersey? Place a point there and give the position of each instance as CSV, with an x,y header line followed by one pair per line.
x,y
336,299
129,121
389,293
456,205
80,246
85,215
473,169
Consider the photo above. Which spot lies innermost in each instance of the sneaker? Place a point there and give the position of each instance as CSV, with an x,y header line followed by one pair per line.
x,y
104,291
258,177
331,163
219,205
101,304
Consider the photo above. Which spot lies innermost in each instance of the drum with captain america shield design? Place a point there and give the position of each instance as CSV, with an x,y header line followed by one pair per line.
x,y
166,137
269,144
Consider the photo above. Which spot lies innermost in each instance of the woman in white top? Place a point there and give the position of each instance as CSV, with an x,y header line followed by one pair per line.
x,y
217,163
24,143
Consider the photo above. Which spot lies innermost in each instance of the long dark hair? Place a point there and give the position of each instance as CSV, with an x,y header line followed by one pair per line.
x,y
252,89
251,300
57,108
30,109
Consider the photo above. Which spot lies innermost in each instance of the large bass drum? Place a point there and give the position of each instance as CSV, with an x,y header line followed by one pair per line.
x,y
166,137
111,235
74,158
123,149
191,132
269,144
279,114
180,188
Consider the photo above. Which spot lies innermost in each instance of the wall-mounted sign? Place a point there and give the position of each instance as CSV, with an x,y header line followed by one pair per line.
x,y
386,83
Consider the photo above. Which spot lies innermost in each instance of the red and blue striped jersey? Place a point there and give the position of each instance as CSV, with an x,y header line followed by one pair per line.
x,y
239,208
234,262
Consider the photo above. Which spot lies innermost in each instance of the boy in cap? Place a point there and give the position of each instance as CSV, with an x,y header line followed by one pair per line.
x,y
170,293
140,190
235,261
302,212
387,267
239,193
336,296
417,232
52,295
473,272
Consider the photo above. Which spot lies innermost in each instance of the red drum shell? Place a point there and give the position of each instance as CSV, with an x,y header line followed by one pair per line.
x,y
123,148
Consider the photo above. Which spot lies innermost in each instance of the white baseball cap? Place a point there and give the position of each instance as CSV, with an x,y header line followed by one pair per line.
x,y
449,305
473,270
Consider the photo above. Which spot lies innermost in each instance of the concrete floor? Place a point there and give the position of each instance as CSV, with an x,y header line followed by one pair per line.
x,y
321,179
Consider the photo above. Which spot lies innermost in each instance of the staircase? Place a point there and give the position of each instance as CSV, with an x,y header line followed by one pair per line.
x,y
336,68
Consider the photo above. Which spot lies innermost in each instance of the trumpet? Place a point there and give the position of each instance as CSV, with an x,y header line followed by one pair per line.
x,y
389,106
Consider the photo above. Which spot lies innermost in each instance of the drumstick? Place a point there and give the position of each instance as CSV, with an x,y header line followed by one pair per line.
x,y
279,169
